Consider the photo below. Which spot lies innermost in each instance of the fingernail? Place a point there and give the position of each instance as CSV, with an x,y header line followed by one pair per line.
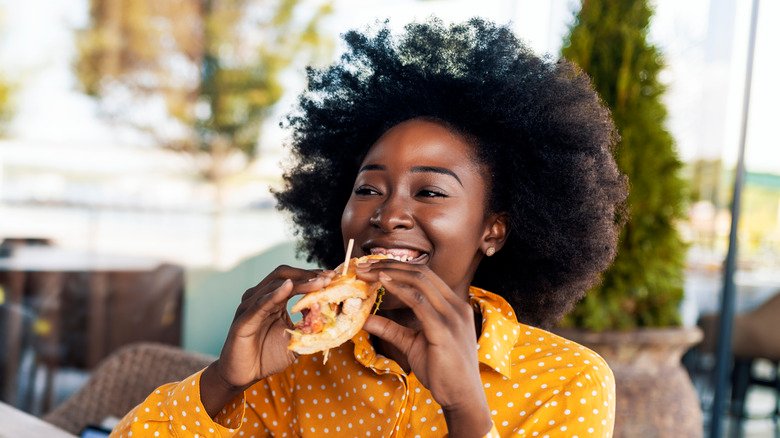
x,y
384,277
312,279
287,282
363,265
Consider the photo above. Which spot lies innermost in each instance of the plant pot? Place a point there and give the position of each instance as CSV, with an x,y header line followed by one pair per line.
x,y
655,396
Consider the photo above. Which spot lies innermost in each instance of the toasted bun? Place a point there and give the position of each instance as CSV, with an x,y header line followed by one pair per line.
x,y
345,326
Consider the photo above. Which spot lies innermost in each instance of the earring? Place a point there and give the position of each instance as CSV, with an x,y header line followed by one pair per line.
x,y
490,251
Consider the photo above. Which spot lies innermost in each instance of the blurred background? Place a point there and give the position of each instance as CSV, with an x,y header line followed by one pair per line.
x,y
139,140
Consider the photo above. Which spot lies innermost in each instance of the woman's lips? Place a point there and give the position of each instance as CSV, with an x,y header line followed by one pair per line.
x,y
405,255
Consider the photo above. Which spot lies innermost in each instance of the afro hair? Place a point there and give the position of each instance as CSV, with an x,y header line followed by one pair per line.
x,y
536,124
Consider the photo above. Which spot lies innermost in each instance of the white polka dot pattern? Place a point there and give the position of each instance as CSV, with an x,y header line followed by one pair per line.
x,y
536,383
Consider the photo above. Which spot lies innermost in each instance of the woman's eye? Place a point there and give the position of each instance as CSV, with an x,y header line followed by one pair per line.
x,y
427,193
365,191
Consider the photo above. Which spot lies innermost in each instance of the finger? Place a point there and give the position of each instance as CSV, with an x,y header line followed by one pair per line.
x,y
330,273
384,264
399,336
433,322
265,307
418,284
312,285
305,284
297,275
284,272
309,285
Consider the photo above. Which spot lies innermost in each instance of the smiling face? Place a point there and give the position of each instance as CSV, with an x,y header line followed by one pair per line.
x,y
420,196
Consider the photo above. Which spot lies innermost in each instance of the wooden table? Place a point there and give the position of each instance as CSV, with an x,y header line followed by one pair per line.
x,y
15,423
44,272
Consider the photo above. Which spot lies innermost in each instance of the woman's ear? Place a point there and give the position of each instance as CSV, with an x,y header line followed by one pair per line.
x,y
496,233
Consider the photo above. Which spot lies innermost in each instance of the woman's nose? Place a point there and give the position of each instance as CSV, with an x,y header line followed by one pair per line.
x,y
392,215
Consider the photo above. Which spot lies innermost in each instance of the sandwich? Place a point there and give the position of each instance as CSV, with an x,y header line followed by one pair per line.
x,y
335,314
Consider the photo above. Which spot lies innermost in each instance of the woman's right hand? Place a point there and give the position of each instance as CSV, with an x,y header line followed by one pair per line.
x,y
256,345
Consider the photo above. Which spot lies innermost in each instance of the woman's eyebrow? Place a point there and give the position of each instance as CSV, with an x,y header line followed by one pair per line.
x,y
416,169
434,169
372,167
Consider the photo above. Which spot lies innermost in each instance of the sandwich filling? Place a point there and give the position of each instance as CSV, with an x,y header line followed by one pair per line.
x,y
321,315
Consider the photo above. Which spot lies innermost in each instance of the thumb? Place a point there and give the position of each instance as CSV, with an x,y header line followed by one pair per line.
x,y
401,337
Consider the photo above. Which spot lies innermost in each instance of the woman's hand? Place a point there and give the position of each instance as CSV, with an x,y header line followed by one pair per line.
x,y
256,345
443,352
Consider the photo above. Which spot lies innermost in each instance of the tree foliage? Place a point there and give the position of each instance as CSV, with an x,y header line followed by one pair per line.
x,y
214,67
644,286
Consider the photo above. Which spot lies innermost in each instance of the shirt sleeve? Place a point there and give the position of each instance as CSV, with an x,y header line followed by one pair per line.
x,y
175,409
591,405
585,406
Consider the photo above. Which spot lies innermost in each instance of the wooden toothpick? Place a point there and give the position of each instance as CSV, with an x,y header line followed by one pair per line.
x,y
346,259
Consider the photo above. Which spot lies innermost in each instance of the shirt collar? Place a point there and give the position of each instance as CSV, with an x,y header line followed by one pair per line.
x,y
500,331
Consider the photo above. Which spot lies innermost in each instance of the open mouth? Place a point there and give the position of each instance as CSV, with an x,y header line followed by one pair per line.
x,y
405,255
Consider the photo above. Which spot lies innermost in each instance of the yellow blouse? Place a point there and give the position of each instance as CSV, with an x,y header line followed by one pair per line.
x,y
537,385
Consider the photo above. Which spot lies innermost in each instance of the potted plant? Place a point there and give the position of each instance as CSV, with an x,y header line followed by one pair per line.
x,y
632,318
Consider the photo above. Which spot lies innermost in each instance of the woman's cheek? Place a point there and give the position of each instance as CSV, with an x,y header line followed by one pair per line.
x,y
354,220
347,218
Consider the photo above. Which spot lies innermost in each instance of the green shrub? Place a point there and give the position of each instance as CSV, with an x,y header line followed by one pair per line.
x,y
644,286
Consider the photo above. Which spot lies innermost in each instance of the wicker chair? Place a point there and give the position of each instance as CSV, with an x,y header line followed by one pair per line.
x,y
122,381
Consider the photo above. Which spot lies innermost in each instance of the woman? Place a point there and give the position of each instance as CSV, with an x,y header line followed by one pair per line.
x,y
486,167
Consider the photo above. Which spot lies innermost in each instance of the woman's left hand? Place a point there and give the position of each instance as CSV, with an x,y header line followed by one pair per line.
x,y
443,352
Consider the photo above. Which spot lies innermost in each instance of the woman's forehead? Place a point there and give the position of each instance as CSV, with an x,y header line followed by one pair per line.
x,y
419,142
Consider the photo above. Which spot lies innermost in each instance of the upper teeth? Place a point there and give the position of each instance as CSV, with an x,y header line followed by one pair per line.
x,y
400,254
